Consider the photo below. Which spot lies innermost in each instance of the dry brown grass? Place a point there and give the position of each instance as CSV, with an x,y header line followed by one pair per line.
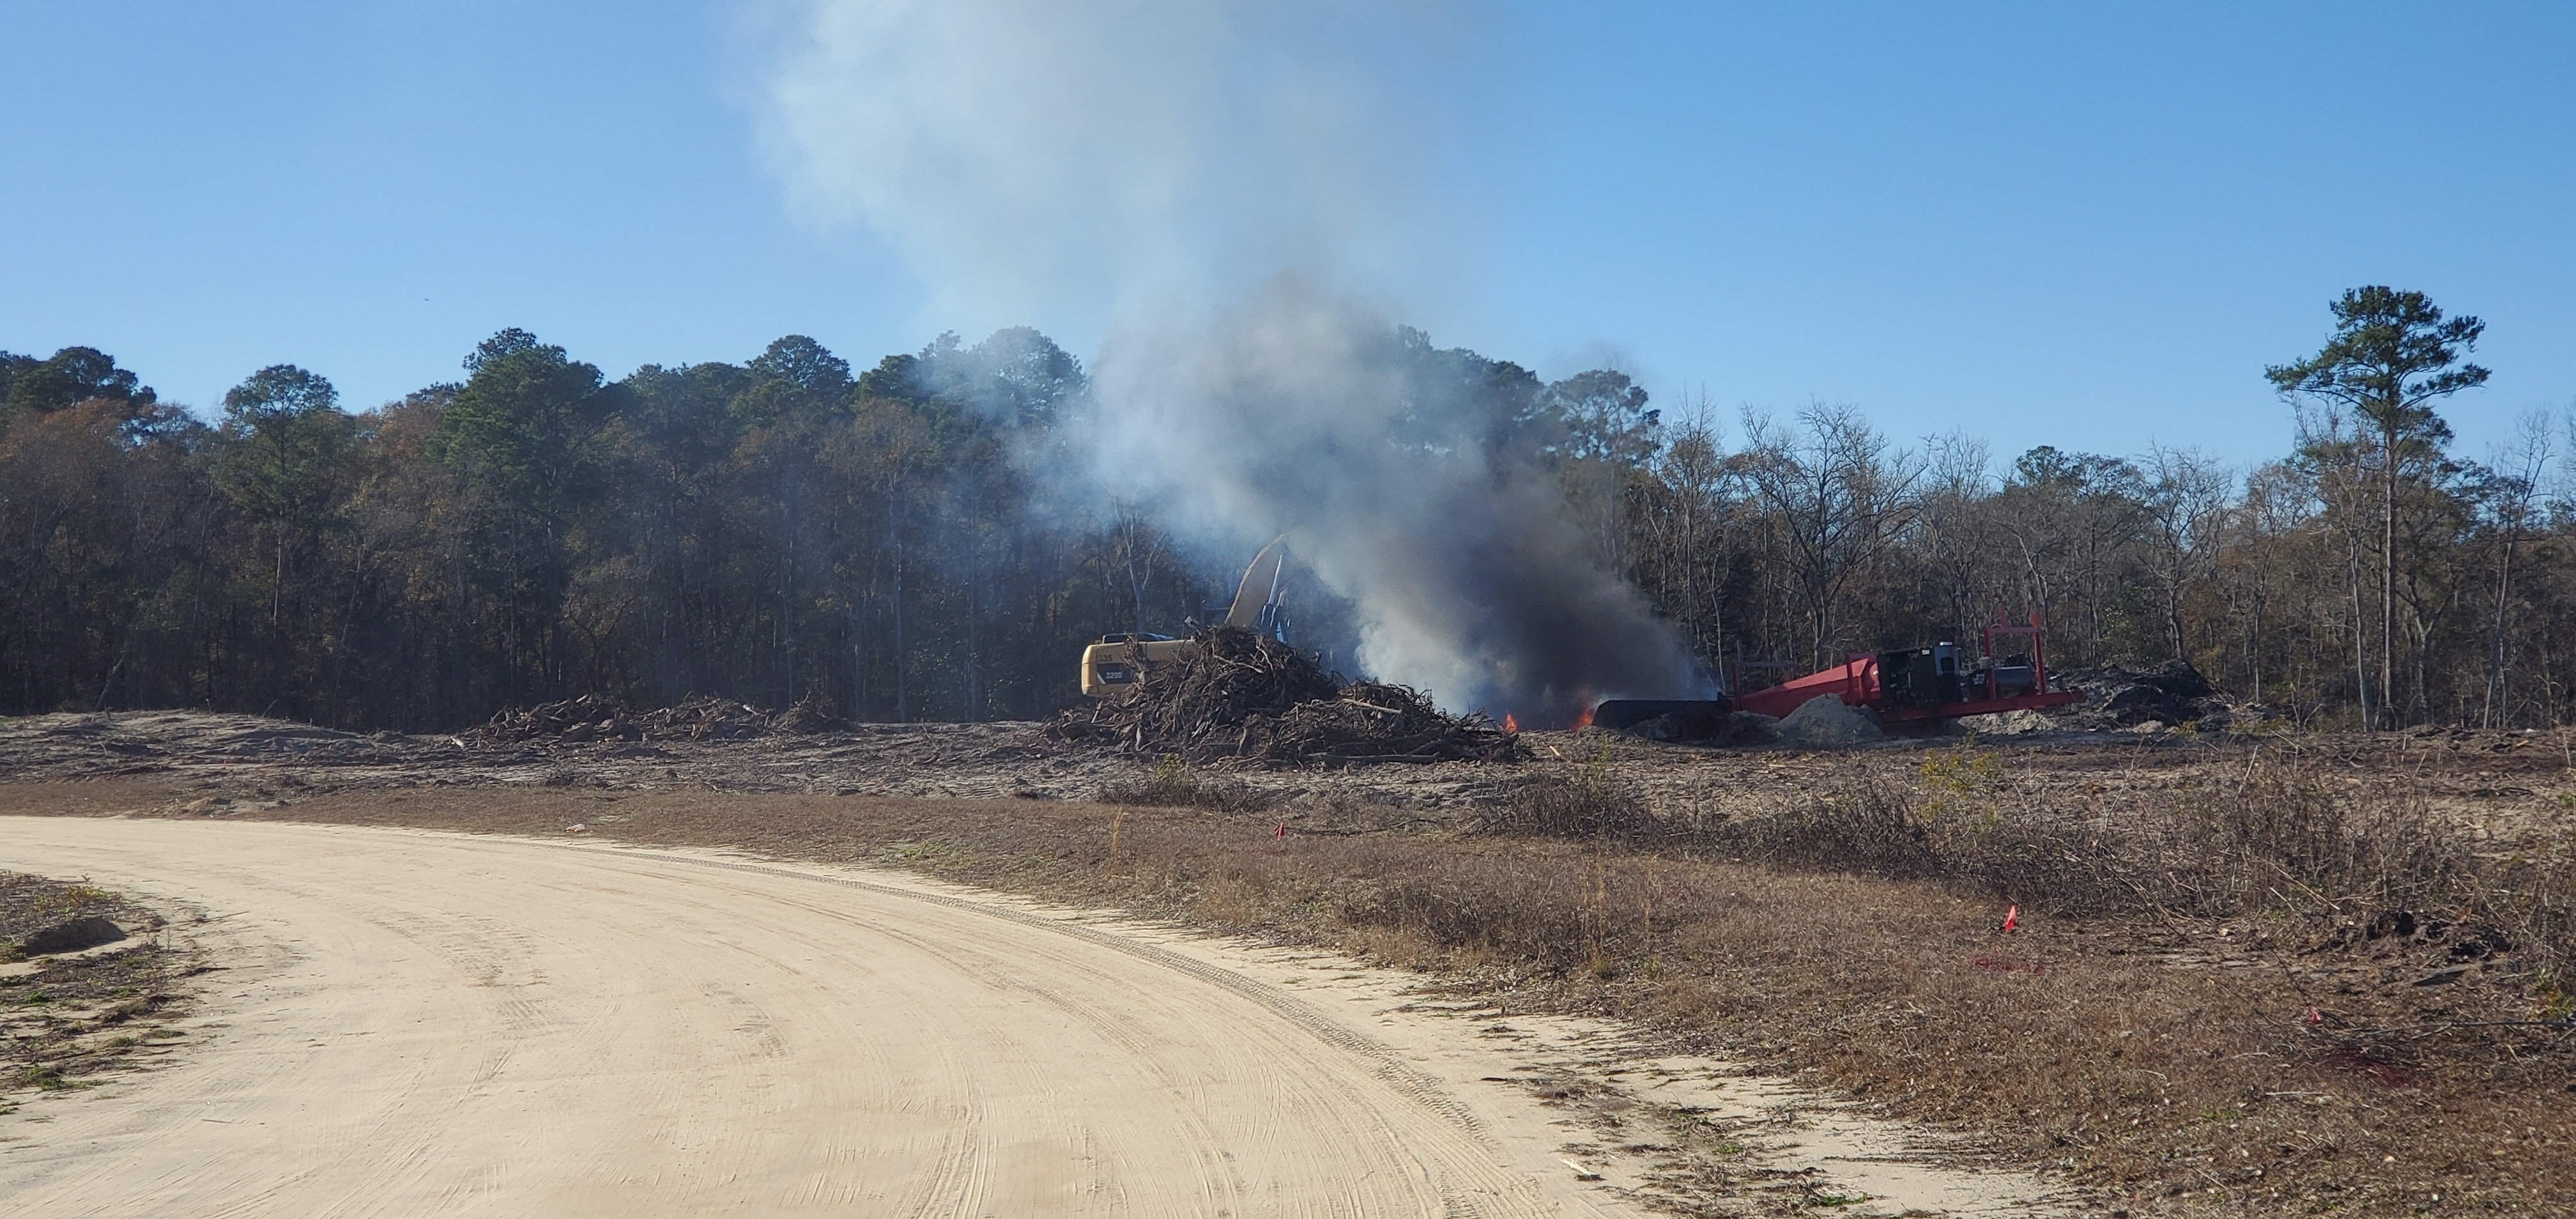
x,y
1174,784
1586,805
2147,1032
2271,839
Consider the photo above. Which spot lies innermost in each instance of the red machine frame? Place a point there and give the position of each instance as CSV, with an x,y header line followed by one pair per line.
x,y
1856,682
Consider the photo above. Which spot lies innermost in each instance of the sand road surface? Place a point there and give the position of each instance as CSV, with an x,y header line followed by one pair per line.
x,y
417,1024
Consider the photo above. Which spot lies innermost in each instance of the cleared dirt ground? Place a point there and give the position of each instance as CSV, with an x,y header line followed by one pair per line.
x,y
2491,782
574,1029
2292,1058
601,1033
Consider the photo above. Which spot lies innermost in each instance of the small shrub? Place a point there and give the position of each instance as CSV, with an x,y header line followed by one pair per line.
x,y
1961,781
2555,996
1870,826
1588,807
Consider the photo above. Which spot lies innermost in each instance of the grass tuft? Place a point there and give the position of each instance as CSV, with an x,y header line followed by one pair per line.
x,y
1587,806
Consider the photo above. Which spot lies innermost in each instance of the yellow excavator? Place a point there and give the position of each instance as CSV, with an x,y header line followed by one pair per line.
x,y
1118,663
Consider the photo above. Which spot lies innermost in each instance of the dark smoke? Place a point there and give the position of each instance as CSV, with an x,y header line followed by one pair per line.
x,y
1402,481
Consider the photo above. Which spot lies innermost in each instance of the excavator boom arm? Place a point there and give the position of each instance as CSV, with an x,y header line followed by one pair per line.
x,y
1260,587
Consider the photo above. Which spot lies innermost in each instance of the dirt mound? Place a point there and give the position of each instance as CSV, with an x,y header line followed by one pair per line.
x,y
593,717
2171,693
70,935
2015,722
1827,720
1244,697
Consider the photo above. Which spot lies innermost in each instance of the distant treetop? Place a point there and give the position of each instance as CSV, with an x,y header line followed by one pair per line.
x,y
74,374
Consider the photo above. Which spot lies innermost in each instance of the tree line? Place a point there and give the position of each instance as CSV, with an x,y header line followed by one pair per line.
x,y
891,543
2369,577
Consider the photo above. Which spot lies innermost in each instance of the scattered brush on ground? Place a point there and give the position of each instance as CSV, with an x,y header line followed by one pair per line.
x,y
1174,785
2276,840
2299,977
2172,694
1584,806
593,717
1243,698
66,1020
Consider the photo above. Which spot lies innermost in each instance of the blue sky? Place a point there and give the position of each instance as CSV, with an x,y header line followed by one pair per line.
x,y
2045,224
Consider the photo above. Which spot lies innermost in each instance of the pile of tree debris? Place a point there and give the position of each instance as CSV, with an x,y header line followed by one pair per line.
x,y
2171,694
1244,698
593,717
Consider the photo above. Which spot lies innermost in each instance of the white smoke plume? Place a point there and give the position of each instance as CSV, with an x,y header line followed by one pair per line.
x,y
1148,161
1038,160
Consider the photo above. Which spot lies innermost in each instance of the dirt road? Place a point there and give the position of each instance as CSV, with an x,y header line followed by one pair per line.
x,y
420,1024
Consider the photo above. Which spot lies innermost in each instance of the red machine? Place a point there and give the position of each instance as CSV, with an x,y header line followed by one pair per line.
x,y
1908,684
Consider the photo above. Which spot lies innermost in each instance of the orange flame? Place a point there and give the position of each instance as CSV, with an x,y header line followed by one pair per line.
x,y
1510,724
1583,717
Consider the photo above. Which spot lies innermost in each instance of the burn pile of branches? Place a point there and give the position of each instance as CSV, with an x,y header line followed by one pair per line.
x,y
593,717
1242,697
